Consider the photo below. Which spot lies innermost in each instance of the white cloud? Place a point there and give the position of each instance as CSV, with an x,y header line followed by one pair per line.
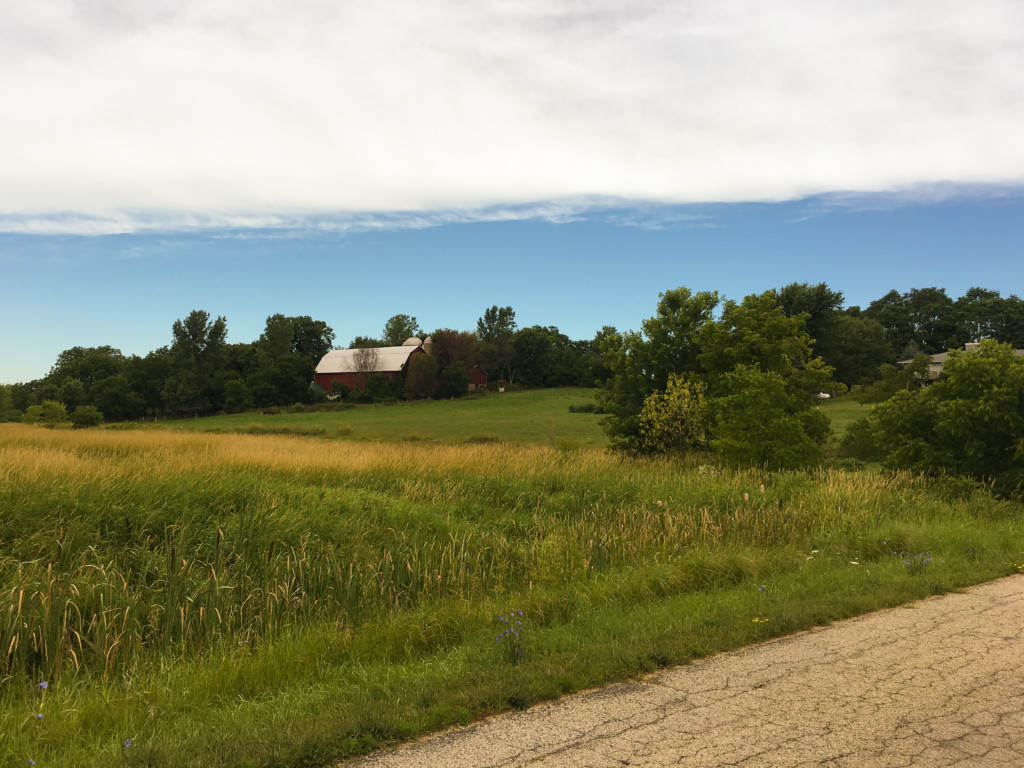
x,y
213,113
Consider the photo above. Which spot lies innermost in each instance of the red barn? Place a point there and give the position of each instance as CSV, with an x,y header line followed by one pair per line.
x,y
352,366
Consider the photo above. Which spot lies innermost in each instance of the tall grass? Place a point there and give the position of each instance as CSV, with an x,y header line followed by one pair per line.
x,y
126,552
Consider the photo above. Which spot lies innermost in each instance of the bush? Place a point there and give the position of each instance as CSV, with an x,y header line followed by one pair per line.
x,y
85,416
676,419
968,423
49,414
377,390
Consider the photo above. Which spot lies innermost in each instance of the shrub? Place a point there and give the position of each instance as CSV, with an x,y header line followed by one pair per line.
x,y
676,419
49,414
85,416
967,423
378,389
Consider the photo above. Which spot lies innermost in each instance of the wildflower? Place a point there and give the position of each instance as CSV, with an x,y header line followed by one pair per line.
x,y
127,743
762,588
44,685
39,716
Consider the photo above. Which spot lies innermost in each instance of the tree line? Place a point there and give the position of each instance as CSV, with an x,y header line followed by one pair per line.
x,y
739,380
200,373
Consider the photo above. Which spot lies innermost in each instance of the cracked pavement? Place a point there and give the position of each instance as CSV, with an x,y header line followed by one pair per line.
x,y
935,683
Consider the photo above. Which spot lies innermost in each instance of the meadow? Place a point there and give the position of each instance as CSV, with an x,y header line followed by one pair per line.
x,y
538,417
200,599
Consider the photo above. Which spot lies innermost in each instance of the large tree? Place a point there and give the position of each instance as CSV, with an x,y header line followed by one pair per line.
x,y
640,363
87,364
398,329
495,329
920,320
196,358
857,348
756,332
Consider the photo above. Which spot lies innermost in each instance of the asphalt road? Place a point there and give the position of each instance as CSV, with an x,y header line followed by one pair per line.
x,y
932,684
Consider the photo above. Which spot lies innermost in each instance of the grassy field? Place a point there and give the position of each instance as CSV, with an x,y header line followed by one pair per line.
x,y
842,412
196,599
539,416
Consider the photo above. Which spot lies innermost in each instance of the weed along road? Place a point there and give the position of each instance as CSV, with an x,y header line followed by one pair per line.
x,y
935,683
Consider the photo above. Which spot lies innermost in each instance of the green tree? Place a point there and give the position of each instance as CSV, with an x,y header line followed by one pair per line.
x,y
366,342
281,374
759,421
7,410
1010,322
398,328
73,393
312,339
857,348
87,364
641,363
821,307
340,388
454,380
49,413
147,377
675,420
449,346
237,397
378,389
195,384
421,377
85,416
893,379
757,333
115,398
495,330
277,337
975,315
922,316
970,422
532,348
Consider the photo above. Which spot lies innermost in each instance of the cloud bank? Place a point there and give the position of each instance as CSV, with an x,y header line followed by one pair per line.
x,y
222,113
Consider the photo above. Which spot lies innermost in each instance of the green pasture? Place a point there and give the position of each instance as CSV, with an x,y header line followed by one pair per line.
x,y
197,599
843,411
536,416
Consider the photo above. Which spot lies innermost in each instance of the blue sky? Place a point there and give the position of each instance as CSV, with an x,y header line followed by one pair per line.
x,y
354,161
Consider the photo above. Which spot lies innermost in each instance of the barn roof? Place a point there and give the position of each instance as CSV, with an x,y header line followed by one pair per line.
x,y
344,360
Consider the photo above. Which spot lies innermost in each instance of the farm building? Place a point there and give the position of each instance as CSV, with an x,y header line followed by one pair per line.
x,y
352,366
